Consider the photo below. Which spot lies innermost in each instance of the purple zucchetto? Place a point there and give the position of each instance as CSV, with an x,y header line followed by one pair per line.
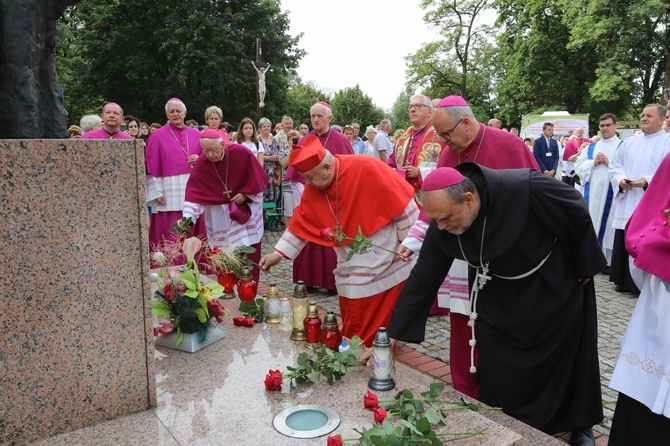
x,y
324,103
453,101
440,178
210,134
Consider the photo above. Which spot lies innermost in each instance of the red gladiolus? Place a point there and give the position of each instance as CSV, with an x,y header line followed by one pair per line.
x,y
380,414
238,321
370,401
326,234
335,440
273,380
216,310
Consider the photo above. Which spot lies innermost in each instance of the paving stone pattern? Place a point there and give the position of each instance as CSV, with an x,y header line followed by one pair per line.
x,y
614,312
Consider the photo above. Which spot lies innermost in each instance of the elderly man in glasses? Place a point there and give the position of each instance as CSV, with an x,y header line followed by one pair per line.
x,y
466,140
417,147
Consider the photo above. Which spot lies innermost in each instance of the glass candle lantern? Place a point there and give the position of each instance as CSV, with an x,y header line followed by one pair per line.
x,y
330,332
382,363
271,305
299,311
312,324
227,280
247,286
285,315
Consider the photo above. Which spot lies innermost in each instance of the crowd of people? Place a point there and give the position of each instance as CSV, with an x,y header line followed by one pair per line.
x,y
502,234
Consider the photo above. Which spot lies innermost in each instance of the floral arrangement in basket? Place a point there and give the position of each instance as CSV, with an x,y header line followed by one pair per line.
x,y
183,302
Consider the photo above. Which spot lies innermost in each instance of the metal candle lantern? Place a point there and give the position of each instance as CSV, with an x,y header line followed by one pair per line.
x,y
299,311
271,305
312,324
382,363
330,332
247,286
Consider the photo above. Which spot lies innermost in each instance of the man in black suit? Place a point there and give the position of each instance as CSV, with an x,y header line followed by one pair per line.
x,y
545,150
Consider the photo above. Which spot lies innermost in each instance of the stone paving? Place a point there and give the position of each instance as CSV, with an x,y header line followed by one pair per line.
x,y
614,312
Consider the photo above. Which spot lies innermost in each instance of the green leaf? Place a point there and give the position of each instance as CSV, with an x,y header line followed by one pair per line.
x,y
202,315
180,336
191,293
423,425
160,308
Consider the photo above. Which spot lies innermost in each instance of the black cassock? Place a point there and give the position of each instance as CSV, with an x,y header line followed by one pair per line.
x,y
537,336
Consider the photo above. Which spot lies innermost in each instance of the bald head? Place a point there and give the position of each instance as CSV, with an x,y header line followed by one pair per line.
x,y
495,123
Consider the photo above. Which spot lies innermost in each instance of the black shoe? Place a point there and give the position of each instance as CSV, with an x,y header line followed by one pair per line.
x,y
607,270
582,438
619,289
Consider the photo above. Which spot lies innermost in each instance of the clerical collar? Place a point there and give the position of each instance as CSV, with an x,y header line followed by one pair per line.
x,y
110,135
175,127
319,134
416,130
652,134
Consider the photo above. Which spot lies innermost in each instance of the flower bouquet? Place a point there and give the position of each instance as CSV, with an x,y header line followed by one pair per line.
x,y
183,303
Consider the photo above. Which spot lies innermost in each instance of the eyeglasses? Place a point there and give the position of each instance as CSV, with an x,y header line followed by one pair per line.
x,y
447,135
604,126
416,106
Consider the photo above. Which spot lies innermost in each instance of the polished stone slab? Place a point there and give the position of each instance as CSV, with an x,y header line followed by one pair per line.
x,y
216,396
76,344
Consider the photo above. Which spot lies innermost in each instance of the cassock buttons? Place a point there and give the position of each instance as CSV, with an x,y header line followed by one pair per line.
x,y
641,235
653,229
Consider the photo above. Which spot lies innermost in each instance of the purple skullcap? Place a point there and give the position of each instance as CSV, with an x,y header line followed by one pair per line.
x,y
210,134
440,178
452,101
324,103
175,100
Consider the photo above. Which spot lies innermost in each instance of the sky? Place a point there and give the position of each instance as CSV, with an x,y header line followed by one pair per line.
x,y
362,42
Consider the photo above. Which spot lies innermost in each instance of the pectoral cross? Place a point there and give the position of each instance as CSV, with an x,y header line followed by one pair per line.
x,y
482,277
227,192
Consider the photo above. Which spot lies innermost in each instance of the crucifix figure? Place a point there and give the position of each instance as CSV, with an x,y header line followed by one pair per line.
x,y
261,69
261,83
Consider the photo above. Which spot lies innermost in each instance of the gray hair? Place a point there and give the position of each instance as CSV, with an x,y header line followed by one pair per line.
x,y
181,104
286,118
109,103
424,99
371,129
329,112
88,121
264,121
659,109
337,128
328,159
384,123
456,192
459,111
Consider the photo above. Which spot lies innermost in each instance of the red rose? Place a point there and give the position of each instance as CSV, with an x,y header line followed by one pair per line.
x,y
166,328
238,321
370,401
335,440
326,234
380,414
273,380
167,289
216,310
248,321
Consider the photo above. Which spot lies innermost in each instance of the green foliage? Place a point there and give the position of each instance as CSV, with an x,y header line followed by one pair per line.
x,y
419,420
459,62
352,105
140,53
324,363
253,309
299,99
399,111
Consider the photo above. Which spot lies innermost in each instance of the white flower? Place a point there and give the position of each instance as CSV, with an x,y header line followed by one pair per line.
x,y
154,277
191,246
159,257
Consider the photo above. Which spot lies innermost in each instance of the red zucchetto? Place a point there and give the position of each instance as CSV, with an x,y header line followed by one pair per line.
x,y
305,158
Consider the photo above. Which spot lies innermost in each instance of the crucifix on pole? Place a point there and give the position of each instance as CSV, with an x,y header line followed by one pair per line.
x,y
261,68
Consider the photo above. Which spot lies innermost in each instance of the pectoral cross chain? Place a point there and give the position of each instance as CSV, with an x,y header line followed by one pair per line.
x,y
227,192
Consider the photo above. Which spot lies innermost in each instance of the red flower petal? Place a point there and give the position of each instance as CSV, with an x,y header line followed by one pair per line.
x,y
335,440
380,414
370,401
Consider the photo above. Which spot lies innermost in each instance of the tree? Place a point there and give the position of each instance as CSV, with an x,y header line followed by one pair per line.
x,y
400,112
634,37
453,64
536,67
140,53
299,99
352,105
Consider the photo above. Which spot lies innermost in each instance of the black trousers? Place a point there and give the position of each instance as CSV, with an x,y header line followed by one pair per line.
x,y
620,271
635,425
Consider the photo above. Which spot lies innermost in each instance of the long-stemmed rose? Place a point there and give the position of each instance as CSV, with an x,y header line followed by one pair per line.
x,y
418,419
359,244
